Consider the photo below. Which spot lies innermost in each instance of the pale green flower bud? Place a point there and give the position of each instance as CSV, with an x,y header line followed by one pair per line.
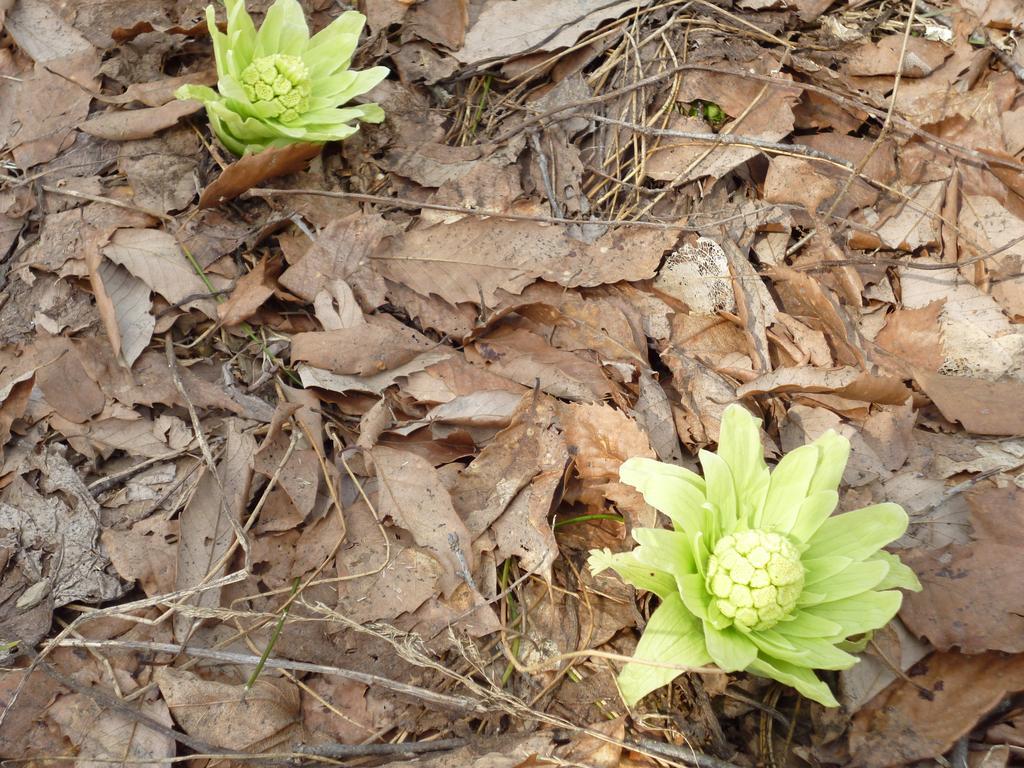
x,y
756,577
278,86
730,577
279,82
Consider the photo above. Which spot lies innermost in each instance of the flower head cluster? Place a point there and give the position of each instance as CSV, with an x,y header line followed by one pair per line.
x,y
758,574
278,86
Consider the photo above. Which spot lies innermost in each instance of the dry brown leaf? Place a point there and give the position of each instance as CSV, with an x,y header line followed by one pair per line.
x,y
879,159
913,335
978,339
995,229
594,751
244,174
162,173
601,438
299,478
941,700
26,604
365,714
77,403
527,358
47,38
606,324
510,481
132,310
48,106
653,414
336,307
444,381
432,165
156,93
970,599
681,160
252,290
24,730
469,260
140,436
803,297
383,344
508,28
101,735
374,384
850,383
131,124
921,58
506,751
814,186
45,524
983,407
411,494
206,530
486,408
147,383
997,514
146,553
908,225
341,252
397,578
228,716
156,258
16,396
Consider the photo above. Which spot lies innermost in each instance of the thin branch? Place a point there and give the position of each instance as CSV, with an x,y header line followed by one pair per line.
x,y
460,703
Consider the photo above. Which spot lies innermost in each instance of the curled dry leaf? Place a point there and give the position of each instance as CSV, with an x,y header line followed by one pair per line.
x,y
131,124
253,288
243,175
510,485
850,383
601,438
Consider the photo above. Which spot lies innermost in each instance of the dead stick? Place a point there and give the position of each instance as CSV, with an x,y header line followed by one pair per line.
x,y
440,699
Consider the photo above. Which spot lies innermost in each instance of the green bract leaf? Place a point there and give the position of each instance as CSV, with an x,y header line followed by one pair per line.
x,y
739,445
673,636
788,489
633,571
859,533
758,575
834,451
277,87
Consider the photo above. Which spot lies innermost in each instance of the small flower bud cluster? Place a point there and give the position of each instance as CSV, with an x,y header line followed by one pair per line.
x,y
280,81
755,577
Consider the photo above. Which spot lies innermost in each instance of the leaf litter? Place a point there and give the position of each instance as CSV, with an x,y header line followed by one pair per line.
x,y
368,423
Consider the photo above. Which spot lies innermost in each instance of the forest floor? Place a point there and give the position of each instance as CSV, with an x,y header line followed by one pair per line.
x,y
361,410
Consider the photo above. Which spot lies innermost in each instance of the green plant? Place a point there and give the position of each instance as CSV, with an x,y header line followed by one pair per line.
x,y
757,575
708,110
277,86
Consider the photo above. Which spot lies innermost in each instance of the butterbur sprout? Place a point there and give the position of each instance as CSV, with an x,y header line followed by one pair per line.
x,y
277,86
757,573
